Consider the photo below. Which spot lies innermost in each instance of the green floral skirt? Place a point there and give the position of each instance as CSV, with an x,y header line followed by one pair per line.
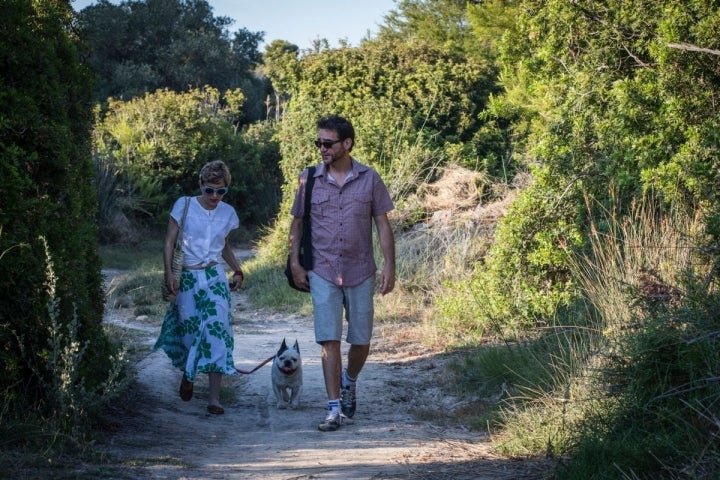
x,y
197,331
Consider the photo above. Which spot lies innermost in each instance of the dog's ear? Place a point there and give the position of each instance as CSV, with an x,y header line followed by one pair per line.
x,y
283,347
296,346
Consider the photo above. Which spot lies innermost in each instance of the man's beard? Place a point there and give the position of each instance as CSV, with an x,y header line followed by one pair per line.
x,y
333,159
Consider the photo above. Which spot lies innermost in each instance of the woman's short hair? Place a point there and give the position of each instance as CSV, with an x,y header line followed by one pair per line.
x,y
215,172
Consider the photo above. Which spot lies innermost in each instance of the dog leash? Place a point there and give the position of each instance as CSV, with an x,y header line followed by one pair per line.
x,y
248,372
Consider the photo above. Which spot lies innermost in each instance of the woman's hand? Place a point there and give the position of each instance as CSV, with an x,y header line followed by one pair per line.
x,y
170,283
237,280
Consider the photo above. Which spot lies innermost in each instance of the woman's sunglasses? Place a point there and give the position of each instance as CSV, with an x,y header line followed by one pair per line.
x,y
210,190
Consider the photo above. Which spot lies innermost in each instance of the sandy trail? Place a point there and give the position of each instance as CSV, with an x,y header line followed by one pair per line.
x,y
158,436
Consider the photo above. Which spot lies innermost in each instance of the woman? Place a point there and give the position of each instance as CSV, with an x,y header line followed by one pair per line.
x,y
197,331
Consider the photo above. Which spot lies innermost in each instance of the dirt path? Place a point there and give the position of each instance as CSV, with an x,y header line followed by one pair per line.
x,y
157,436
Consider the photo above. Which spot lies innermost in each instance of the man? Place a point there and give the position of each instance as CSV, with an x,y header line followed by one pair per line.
x,y
346,198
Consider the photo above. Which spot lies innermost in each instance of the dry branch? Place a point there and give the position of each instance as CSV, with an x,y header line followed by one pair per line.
x,y
693,48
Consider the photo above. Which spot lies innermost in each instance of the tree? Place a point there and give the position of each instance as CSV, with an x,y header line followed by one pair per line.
x,y
280,65
603,113
156,144
51,283
491,20
413,90
140,46
441,23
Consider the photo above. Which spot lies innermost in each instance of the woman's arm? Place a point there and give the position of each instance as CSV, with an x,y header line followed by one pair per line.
x,y
170,237
229,256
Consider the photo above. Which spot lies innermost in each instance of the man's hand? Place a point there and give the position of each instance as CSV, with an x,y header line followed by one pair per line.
x,y
300,277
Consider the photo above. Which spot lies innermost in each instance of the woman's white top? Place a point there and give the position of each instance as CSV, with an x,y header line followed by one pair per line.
x,y
205,231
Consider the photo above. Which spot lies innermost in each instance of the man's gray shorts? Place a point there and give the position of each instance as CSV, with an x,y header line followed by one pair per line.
x,y
329,302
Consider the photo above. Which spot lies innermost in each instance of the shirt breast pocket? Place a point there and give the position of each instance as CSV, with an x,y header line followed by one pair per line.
x,y
360,205
320,204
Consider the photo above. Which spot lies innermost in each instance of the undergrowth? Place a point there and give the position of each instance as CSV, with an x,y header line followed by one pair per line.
x,y
41,438
623,383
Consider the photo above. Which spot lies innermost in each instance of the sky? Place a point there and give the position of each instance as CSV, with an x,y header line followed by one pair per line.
x,y
299,21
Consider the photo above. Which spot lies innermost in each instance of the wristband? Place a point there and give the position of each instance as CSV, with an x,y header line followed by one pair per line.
x,y
239,272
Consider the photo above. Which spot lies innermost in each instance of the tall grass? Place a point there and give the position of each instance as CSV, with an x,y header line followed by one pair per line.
x,y
38,435
625,381
532,390
658,404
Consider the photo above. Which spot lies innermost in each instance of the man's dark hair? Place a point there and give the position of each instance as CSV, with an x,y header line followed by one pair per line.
x,y
339,124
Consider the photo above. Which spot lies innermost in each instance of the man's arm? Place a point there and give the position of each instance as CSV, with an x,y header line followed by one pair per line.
x,y
387,245
299,273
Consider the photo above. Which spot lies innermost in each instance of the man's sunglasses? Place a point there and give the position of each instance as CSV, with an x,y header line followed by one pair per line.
x,y
210,190
326,143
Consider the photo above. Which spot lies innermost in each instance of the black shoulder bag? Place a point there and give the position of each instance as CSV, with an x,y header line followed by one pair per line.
x,y
306,259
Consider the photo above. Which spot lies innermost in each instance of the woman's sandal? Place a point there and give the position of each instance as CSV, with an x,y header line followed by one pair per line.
x,y
216,409
186,389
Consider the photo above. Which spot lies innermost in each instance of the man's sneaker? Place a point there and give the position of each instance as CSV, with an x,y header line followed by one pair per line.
x,y
332,422
347,400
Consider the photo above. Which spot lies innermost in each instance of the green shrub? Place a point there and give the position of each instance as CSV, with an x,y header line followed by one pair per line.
x,y
149,151
657,390
51,278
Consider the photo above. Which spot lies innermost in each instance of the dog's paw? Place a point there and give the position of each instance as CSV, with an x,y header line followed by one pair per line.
x,y
282,405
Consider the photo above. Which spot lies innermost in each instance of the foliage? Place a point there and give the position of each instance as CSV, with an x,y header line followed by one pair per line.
x,y
139,46
626,375
48,208
524,279
400,98
429,95
280,64
491,20
597,95
441,23
656,370
157,144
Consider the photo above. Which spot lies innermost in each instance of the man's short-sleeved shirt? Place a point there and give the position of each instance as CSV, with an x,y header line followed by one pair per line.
x,y
341,222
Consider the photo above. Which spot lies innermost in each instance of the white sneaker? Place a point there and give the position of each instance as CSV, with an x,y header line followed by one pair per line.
x,y
332,422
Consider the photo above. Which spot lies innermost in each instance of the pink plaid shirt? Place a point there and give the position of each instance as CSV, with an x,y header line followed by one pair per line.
x,y
341,222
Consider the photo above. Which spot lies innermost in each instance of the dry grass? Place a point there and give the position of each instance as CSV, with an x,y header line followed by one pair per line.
x,y
446,244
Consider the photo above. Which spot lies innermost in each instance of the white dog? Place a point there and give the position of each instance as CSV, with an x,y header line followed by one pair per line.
x,y
286,376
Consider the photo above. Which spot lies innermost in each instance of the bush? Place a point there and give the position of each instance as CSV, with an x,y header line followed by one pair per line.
x,y
149,151
51,278
656,408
